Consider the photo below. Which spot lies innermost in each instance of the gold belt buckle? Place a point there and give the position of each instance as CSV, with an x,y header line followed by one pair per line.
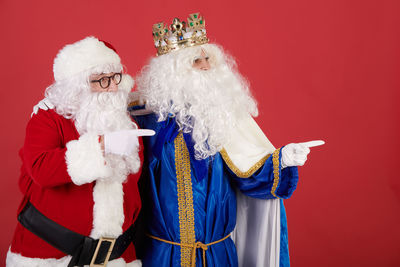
x,y
102,239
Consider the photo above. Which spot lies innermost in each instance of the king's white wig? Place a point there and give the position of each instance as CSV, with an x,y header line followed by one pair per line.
x,y
204,103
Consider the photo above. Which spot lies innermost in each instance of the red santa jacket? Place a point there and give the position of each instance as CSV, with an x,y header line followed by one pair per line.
x,y
50,177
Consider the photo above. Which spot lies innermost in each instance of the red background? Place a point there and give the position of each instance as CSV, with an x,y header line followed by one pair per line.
x,y
319,69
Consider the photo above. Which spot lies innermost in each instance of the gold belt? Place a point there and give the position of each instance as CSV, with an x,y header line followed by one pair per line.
x,y
194,246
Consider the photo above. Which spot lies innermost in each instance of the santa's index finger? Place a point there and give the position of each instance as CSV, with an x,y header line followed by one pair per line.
x,y
313,143
144,132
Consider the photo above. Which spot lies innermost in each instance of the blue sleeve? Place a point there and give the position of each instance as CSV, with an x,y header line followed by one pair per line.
x,y
146,121
270,180
141,120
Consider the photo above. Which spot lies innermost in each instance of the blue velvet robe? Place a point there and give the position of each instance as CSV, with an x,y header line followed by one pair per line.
x,y
213,199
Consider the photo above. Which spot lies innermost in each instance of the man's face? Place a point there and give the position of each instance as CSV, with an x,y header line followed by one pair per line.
x,y
105,82
201,62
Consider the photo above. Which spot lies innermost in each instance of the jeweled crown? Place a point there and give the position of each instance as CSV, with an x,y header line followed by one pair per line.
x,y
179,35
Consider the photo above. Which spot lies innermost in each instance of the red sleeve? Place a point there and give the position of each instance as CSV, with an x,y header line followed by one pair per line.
x,y
44,150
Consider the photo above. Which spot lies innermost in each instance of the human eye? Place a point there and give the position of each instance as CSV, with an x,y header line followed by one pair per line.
x,y
117,77
104,82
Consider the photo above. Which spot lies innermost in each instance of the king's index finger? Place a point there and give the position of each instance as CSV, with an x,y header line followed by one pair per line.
x,y
313,143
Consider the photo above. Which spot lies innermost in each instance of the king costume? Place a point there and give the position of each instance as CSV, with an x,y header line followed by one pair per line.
x,y
192,204
189,201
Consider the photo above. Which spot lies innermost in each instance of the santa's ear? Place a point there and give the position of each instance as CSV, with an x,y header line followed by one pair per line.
x,y
127,83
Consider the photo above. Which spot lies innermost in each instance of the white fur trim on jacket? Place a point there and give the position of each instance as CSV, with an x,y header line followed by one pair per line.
x,y
85,160
82,55
17,260
108,196
108,210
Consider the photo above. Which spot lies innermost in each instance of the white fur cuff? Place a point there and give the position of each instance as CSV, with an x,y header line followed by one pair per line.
x,y
85,160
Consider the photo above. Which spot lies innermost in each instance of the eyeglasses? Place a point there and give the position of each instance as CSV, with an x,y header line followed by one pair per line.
x,y
106,80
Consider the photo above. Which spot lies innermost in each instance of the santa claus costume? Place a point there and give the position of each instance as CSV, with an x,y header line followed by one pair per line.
x,y
65,175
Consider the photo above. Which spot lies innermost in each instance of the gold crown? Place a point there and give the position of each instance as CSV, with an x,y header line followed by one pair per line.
x,y
179,35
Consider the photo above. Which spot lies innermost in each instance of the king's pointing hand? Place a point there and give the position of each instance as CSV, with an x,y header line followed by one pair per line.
x,y
295,154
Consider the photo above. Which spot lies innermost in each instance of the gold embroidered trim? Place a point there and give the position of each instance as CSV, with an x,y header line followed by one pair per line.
x,y
185,199
236,170
135,103
275,161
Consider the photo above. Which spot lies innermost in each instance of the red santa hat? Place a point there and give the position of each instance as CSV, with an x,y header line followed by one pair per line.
x,y
83,55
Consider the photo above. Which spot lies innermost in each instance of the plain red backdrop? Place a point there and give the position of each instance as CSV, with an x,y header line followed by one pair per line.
x,y
320,69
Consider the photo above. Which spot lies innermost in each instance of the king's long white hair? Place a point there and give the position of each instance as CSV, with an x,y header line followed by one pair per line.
x,y
204,103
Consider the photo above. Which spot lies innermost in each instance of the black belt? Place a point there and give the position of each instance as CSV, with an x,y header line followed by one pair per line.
x,y
84,250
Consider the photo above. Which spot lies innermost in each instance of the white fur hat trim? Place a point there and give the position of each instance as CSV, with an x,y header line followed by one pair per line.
x,y
82,55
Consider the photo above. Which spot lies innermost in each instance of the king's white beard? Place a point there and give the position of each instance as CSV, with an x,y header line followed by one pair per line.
x,y
104,112
205,103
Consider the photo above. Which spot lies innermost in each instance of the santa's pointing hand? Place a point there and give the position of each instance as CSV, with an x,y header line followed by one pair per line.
x,y
295,154
124,142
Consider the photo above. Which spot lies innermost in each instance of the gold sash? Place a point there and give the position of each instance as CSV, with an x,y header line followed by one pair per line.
x,y
194,246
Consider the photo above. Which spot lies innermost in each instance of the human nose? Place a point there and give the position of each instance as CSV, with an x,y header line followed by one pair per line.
x,y
204,64
113,87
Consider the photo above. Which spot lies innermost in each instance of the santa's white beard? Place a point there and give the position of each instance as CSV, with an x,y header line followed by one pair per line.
x,y
104,112
205,103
